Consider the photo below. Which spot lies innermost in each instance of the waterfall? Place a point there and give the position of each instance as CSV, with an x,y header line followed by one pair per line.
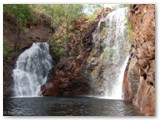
x,y
32,68
116,57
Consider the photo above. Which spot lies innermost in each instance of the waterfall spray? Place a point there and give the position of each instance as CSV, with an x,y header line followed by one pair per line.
x,y
32,68
116,61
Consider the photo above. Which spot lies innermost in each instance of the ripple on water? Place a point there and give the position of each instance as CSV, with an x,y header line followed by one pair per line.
x,y
70,106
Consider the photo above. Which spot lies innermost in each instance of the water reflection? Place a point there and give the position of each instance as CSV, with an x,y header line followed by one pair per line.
x,y
70,106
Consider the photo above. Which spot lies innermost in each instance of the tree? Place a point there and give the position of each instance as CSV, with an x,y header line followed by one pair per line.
x,y
71,13
91,10
21,13
62,15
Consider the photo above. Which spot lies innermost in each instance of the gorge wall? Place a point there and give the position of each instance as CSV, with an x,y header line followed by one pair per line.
x,y
139,79
80,72
68,77
72,76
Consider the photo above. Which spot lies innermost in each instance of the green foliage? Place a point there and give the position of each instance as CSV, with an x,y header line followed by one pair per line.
x,y
130,35
62,15
57,46
92,17
91,11
20,12
60,12
102,26
108,52
6,50
128,24
124,5
91,8
59,51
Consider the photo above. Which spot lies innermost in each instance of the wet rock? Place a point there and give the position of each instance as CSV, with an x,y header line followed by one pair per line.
x,y
131,79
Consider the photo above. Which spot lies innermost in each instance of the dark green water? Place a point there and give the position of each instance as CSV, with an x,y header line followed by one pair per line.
x,y
67,106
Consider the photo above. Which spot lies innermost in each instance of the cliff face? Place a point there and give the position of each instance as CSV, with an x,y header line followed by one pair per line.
x,y
71,76
139,79
68,76
80,73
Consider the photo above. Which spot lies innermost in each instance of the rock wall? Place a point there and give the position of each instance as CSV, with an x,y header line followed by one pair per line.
x,y
139,79
68,77
72,75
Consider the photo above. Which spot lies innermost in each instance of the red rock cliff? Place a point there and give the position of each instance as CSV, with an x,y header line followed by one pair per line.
x,y
139,80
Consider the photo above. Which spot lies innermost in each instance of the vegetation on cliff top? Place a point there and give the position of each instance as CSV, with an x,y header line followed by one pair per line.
x,y
61,16
21,13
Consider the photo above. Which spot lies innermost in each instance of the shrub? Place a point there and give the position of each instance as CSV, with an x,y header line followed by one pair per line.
x,y
130,35
6,50
108,52
124,5
21,13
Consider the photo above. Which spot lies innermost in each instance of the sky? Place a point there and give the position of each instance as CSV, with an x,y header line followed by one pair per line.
x,y
115,6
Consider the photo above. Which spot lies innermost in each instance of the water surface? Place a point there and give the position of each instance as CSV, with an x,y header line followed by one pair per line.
x,y
67,106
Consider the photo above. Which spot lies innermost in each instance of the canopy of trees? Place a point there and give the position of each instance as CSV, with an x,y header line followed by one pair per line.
x,y
62,16
21,13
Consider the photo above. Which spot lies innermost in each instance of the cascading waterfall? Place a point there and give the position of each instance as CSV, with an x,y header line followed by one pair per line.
x,y
116,57
32,68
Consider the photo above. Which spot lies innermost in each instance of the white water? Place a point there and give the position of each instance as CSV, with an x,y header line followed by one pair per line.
x,y
117,58
32,68
117,91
